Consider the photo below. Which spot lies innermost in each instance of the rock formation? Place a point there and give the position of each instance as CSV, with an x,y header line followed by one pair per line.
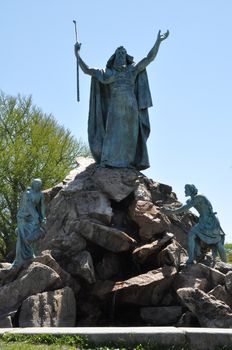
x,y
110,257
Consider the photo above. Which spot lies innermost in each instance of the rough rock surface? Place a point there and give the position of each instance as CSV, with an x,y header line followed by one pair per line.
x,y
161,315
145,289
220,293
109,248
209,311
117,184
49,309
151,250
228,282
149,219
6,322
35,279
199,276
174,255
82,265
107,237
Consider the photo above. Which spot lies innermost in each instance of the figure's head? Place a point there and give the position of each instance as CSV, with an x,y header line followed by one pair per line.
x,y
36,185
120,58
190,190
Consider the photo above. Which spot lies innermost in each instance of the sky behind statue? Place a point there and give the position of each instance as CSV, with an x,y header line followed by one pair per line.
x,y
190,80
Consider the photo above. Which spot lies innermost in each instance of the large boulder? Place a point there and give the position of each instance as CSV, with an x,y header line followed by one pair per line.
x,y
49,309
144,289
142,190
228,282
82,265
116,183
151,250
209,311
92,204
161,315
222,266
161,193
199,276
74,181
35,279
149,219
79,178
174,254
66,210
220,293
8,274
6,322
107,237
68,244
65,277
46,259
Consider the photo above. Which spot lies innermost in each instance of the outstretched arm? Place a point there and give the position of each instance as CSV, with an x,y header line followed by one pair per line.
x,y
85,68
152,53
182,209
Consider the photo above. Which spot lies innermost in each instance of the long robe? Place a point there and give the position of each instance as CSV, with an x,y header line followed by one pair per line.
x,y
28,230
118,125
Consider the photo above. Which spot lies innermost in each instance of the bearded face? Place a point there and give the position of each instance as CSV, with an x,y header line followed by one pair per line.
x,y
120,56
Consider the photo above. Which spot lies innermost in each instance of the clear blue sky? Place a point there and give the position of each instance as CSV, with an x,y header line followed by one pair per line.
x,y
190,80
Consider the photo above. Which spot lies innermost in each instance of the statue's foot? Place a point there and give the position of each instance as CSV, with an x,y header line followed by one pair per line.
x,y
189,262
101,165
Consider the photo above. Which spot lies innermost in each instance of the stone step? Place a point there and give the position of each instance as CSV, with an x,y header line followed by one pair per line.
x,y
192,338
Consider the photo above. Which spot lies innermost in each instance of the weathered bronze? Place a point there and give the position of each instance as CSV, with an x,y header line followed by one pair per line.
x,y
208,229
118,125
30,217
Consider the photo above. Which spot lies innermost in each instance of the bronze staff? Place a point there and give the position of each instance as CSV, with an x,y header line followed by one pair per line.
x,y
78,88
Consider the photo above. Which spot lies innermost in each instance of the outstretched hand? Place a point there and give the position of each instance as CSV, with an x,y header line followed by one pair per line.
x,y
161,37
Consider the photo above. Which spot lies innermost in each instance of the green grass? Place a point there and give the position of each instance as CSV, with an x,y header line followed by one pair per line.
x,y
28,346
66,342
24,346
41,342
10,341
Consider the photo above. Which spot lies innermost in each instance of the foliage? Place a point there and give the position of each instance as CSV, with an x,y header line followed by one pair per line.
x,y
228,246
228,249
32,145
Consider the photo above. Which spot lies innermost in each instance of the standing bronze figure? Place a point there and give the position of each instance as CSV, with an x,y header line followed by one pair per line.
x,y
118,125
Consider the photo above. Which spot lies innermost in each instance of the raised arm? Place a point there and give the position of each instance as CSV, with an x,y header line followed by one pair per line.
x,y
85,68
152,53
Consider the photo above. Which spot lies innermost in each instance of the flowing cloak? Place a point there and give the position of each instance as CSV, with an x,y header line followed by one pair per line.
x,y
99,102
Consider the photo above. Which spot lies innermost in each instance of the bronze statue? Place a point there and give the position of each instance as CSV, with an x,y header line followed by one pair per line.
x,y
30,217
208,229
118,125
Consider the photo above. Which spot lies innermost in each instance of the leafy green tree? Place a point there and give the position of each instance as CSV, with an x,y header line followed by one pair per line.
x,y
32,144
